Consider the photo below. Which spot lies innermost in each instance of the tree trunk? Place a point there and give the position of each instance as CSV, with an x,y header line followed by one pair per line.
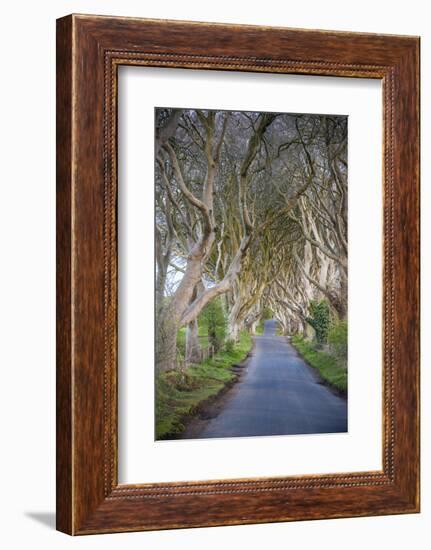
x,y
233,332
308,331
284,324
166,343
193,349
233,323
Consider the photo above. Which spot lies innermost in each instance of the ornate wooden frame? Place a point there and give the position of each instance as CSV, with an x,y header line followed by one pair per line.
x,y
89,51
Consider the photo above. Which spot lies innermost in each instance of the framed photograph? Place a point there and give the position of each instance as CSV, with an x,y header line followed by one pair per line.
x,y
237,274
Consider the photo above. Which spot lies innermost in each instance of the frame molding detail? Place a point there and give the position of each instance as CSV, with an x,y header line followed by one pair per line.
x,y
89,51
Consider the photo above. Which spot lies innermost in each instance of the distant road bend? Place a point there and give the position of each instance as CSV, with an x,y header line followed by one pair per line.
x,y
277,395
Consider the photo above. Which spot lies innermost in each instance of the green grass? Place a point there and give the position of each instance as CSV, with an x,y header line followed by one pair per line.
x,y
260,328
330,368
180,393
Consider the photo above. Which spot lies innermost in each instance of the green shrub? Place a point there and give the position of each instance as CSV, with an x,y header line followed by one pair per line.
x,y
214,319
319,319
337,339
229,346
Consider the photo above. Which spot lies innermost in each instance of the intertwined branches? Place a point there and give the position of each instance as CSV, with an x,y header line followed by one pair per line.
x,y
251,207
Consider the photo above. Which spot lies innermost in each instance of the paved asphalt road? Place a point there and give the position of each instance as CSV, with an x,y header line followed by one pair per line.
x,y
277,395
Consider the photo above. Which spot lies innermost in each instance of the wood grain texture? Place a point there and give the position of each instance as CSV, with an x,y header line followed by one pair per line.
x,y
64,496
90,49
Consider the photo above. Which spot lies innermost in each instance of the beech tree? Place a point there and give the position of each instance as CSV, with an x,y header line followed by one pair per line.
x,y
251,209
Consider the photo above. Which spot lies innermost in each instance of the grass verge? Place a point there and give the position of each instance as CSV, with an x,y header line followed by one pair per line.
x,y
327,365
180,394
260,328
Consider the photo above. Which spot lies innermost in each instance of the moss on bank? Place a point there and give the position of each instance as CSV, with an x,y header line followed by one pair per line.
x,y
179,394
331,369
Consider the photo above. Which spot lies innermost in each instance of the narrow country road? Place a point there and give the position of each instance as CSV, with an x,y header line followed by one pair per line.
x,y
277,395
